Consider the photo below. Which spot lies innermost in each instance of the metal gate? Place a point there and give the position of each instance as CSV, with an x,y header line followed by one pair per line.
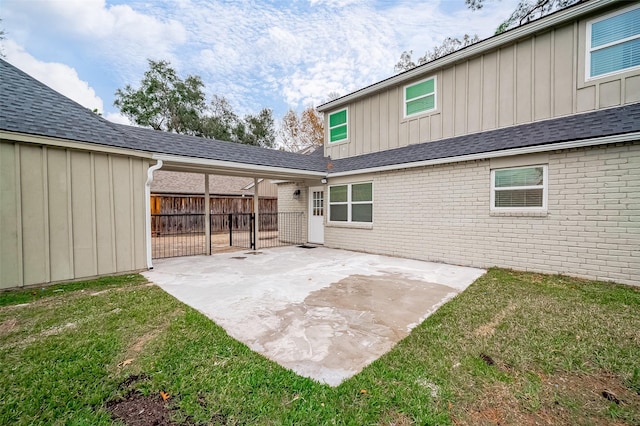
x,y
186,234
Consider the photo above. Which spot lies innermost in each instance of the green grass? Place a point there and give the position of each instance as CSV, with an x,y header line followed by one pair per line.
x,y
555,344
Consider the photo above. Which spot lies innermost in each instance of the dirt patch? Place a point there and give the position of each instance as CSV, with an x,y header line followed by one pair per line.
x,y
561,399
139,410
489,328
397,419
7,326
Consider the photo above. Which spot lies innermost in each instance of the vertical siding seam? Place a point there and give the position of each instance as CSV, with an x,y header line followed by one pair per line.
x,y
466,99
552,71
94,224
481,79
112,211
532,88
72,263
45,208
514,98
18,172
574,65
132,218
496,124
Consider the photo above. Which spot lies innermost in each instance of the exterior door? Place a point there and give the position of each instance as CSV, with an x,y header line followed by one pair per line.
x,y
316,215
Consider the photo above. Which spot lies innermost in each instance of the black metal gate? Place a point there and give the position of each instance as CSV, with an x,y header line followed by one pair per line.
x,y
185,234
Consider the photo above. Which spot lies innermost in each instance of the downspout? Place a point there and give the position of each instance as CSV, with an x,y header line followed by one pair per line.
x,y
147,195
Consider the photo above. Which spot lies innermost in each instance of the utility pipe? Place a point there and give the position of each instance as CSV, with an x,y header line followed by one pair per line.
x,y
147,195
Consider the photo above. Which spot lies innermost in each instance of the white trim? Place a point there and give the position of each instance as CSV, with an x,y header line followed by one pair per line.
x,y
542,24
224,164
627,137
147,201
544,187
590,50
346,123
434,93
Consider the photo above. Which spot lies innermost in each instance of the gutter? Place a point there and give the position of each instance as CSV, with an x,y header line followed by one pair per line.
x,y
263,170
627,137
147,198
475,49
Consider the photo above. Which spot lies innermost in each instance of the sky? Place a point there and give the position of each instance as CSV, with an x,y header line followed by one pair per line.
x,y
275,54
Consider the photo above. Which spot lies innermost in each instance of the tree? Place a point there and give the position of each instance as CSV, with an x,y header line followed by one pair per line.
x,y
525,11
220,122
300,133
257,129
448,45
3,36
164,101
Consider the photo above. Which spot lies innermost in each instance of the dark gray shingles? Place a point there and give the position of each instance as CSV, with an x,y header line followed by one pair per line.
x,y
30,107
612,121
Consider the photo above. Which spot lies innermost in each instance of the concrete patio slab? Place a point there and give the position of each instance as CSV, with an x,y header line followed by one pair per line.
x,y
323,313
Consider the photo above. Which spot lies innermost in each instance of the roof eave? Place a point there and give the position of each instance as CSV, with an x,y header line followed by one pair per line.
x,y
473,50
626,137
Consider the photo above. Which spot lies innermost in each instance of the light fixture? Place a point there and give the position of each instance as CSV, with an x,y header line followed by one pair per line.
x,y
296,194
324,181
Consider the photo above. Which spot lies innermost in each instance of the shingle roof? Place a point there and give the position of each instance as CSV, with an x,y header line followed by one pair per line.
x,y
193,183
30,107
607,122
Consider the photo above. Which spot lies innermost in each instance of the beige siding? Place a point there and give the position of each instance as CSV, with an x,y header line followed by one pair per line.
x,y
533,79
68,214
591,228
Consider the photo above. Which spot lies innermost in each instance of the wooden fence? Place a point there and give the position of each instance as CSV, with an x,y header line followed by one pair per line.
x,y
172,214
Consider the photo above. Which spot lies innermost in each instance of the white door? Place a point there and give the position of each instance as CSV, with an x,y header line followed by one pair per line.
x,y
316,215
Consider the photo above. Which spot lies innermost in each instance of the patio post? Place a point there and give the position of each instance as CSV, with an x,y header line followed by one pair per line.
x,y
207,215
256,212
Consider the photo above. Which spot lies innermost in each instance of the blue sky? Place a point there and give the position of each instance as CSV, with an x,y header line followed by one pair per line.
x,y
275,54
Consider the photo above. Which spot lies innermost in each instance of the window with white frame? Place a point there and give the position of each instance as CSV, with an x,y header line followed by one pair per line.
x,y
338,128
613,42
519,188
420,97
351,202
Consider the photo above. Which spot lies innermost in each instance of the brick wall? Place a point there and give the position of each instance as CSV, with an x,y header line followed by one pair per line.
x,y
287,202
442,213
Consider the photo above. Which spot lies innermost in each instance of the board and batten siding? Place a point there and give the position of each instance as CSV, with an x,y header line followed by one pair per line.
x,y
442,213
68,214
533,79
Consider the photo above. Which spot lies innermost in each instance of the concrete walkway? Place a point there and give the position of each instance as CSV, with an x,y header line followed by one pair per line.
x,y
321,312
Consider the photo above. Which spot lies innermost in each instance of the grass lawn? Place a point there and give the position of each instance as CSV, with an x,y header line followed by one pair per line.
x,y
514,348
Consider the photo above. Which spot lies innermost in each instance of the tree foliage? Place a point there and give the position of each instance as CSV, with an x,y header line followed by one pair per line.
x,y
526,11
166,102
448,45
298,133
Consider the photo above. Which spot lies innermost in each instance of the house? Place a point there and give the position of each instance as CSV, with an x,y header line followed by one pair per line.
x,y
75,188
520,151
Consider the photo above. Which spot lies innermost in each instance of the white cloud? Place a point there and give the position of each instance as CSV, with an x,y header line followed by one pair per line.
x,y
59,77
116,117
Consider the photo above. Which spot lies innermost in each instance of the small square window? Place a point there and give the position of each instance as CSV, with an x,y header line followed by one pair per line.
x,y
519,188
420,97
613,43
338,126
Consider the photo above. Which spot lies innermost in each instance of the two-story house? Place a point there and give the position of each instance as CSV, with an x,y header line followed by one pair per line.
x,y
520,151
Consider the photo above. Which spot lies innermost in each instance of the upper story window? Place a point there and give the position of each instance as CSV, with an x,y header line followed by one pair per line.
x,y
613,42
338,129
420,97
519,188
